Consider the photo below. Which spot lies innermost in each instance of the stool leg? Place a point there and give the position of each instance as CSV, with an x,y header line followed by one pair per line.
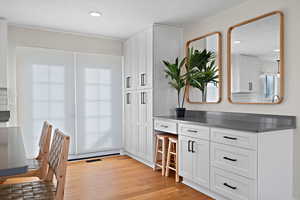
x,y
156,152
168,159
176,164
163,157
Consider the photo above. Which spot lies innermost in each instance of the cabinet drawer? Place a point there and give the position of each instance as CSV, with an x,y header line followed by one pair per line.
x,y
165,126
232,186
234,138
237,160
194,131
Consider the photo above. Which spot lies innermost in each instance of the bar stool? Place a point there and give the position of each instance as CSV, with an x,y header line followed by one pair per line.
x,y
161,152
172,157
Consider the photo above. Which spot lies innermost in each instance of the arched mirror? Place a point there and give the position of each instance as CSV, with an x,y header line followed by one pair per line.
x,y
256,60
204,62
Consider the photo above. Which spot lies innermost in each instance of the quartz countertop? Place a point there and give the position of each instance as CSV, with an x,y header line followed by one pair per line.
x,y
236,121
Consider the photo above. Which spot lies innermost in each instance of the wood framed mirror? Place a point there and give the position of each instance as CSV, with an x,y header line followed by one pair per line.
x,y
255,58
211,93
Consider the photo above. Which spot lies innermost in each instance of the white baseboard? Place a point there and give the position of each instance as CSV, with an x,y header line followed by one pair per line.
x,y
86,155
150,164
203,190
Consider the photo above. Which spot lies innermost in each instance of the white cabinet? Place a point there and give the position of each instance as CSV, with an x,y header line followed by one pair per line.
x,y
165,126
201,162
240,161
144,124
236,165
145,82
194,157
3,54
233,186
185,158
130,109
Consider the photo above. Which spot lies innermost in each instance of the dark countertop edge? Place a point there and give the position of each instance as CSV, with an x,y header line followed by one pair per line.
x,y
13,171
225,127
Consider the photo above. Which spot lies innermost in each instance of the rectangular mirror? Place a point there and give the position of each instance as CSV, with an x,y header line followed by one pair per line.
x,y
255,60
206,87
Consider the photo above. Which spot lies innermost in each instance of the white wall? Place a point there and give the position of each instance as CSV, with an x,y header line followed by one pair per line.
x,y
252,8
29,37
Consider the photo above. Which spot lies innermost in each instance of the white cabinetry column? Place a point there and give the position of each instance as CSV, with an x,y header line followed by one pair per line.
x,y
3,53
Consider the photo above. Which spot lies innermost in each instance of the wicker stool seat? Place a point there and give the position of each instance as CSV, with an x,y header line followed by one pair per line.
x,y
31,190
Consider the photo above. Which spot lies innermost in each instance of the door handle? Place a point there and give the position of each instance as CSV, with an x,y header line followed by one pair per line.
x,y
193,142
143,82
229,138
231,159
189,144
192,131
231,187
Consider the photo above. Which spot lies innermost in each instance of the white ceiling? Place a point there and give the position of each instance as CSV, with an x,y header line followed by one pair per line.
x,y
121,18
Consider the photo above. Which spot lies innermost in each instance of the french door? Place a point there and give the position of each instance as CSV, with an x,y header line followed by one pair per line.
x,y
77,93
99,103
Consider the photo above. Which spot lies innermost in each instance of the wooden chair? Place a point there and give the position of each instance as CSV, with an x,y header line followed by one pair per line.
x,y
161,152
44,189
172,157
38,166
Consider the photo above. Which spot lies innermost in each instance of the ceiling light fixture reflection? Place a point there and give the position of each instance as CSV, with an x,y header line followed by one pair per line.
x,y
237,42
95,14
276,50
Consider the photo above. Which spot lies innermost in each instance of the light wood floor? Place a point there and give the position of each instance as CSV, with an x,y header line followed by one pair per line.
x,y
120,177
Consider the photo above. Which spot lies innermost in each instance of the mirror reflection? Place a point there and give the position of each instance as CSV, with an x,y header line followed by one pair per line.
x,y
204,54
256,62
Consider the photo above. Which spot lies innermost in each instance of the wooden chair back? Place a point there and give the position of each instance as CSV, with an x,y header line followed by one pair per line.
x,y
58,162
44,145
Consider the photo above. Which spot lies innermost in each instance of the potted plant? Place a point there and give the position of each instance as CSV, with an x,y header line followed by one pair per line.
x,y
178,81
202,69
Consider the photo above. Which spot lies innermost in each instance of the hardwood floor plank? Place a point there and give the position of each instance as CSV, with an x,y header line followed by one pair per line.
x,y
122,178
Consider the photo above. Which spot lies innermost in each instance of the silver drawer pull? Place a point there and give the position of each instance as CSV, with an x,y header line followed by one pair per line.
x,y
229,138
230,159
192,131
164,126
231,187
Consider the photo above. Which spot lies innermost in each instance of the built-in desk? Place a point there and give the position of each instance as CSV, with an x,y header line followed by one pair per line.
x,y
234,155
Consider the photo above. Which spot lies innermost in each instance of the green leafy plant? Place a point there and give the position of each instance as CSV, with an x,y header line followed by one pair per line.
x,y
202,69
177,79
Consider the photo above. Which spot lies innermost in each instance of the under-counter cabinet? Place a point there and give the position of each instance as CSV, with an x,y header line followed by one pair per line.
x,y
194,154
233,164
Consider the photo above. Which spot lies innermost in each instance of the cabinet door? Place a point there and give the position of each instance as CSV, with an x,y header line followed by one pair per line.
x,y
185,158
145,124
130,124
141,66
201,162
127,120
130,64
145,59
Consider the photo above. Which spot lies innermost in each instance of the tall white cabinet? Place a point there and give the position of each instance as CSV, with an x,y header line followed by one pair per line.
x,y
145,90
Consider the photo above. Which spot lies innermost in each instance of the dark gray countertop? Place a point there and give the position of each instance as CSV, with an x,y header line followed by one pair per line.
x,y
237,121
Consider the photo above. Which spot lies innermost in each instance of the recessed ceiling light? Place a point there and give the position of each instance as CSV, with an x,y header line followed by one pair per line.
x,y
276,50
95,14
237,42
